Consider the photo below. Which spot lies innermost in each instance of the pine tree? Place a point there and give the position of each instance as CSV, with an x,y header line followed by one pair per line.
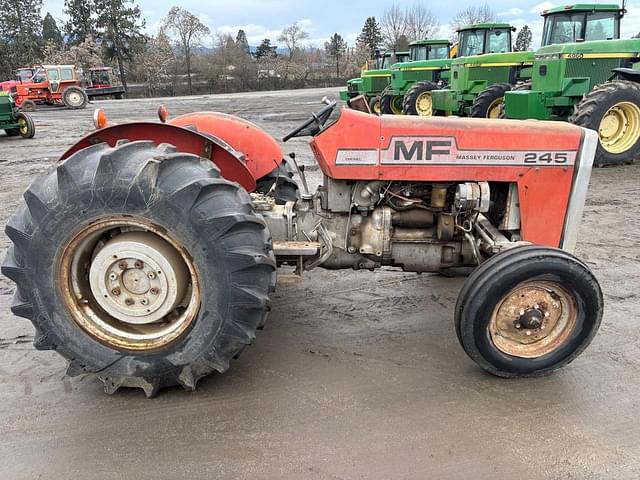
x,y
82,21
371,35
266,50
335,48
120,24
241,41
50,31
524,38
21,31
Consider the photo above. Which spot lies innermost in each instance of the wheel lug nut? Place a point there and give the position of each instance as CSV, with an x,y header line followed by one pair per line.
x,y
116,291
113,276
139,264
151,275
129,301
123,265
154,291
144,301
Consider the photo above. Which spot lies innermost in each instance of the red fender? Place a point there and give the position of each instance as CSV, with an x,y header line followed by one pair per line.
x,y
261,151
229,161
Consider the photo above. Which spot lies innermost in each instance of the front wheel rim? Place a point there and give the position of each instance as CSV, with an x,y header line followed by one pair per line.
x,y
495,108
396,105
533,319
129,284
619,128
424,104
23,126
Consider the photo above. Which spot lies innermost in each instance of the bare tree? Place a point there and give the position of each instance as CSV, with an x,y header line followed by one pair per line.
x,y
156,63
189,30
292,36
474,14
421,23
394,26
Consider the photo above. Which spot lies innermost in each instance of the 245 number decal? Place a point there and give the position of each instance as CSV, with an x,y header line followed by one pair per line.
x,y
557,158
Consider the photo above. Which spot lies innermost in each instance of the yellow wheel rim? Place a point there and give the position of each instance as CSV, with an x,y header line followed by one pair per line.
x,y
396,105
23,126
424,104
495,109
376,107
534,319
620,127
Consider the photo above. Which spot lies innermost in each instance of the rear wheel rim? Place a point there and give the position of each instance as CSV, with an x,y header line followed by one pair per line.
x,y
129,284
424,104
74,98
495,108
376,107
533,319
619,128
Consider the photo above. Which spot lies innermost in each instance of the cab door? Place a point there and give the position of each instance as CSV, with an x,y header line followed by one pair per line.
x,y
53,74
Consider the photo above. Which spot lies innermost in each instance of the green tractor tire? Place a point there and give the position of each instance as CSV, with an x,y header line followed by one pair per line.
x,y
374,105
613,110
418,99
391,104
489,103
27,128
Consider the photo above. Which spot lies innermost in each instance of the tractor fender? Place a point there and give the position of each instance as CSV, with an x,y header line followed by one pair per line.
x,y
261,151
628,74
230,162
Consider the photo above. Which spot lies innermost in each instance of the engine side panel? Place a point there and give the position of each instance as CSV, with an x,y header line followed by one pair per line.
x,y
542,158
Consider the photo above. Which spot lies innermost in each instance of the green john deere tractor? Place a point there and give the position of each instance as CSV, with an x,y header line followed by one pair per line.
x,y
429,65
588,76
373,82
485,60
13,122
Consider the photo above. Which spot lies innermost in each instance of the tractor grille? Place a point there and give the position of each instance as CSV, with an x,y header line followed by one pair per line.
x,y
379,83
599,70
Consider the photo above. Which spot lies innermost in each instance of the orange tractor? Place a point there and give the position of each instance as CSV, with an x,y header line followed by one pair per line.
x,y
148,255
51,85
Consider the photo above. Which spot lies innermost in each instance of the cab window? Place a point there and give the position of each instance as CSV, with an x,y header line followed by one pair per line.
x,y
438,52
54,75
563,28
601,26
419,53
66,74
499,41
472,43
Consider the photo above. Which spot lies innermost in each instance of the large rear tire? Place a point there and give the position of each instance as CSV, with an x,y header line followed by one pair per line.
x,y
141,265
75,98
613,110
528,311
489,103
418,99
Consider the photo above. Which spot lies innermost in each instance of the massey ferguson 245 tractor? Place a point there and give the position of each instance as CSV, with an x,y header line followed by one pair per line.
x,y
148,253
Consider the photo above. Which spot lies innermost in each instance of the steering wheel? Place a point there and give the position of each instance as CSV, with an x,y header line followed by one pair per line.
x,y
314,125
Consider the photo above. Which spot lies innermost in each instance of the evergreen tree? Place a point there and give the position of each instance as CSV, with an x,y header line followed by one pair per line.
x,y
82,20
524,38
265,49
21,32
335,48
50,31
241,41
371,35
120,24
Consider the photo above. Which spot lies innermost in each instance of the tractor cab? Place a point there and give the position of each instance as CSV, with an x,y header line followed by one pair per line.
x,y
581,23
391,57
100,77
485,38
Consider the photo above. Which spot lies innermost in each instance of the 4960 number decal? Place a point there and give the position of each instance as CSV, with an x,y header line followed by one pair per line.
x,y
557,158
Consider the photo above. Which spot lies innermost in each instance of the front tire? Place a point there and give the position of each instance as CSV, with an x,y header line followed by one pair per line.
x,y
374,106
418,99
613,110
489,103
27,128
391,104
157,210
528,311
28,106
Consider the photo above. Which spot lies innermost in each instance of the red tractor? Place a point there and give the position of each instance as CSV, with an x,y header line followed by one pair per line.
x,y
52,85
22,75
148,255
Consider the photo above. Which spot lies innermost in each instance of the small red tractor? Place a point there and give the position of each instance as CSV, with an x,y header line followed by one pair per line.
x,y
51,85
23,74
148,253
100,83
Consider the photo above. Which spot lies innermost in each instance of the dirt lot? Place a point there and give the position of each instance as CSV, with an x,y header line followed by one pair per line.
x,y
357,376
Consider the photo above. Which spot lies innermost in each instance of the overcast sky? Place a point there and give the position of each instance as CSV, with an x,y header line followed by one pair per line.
x,y
321,18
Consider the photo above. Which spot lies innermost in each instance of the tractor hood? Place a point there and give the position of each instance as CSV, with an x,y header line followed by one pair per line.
x,y
592,49
496,59
422,65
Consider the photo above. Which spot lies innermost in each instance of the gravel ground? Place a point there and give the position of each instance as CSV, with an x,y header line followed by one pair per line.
x,y
358,375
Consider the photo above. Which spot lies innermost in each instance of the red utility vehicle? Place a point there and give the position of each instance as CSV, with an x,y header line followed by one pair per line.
x,y
149,254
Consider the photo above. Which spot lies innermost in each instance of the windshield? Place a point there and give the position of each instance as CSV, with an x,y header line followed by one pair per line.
x,y
499,41
24,74
402,58
438,52
472,43
386,62
581,26
419,53
100,77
